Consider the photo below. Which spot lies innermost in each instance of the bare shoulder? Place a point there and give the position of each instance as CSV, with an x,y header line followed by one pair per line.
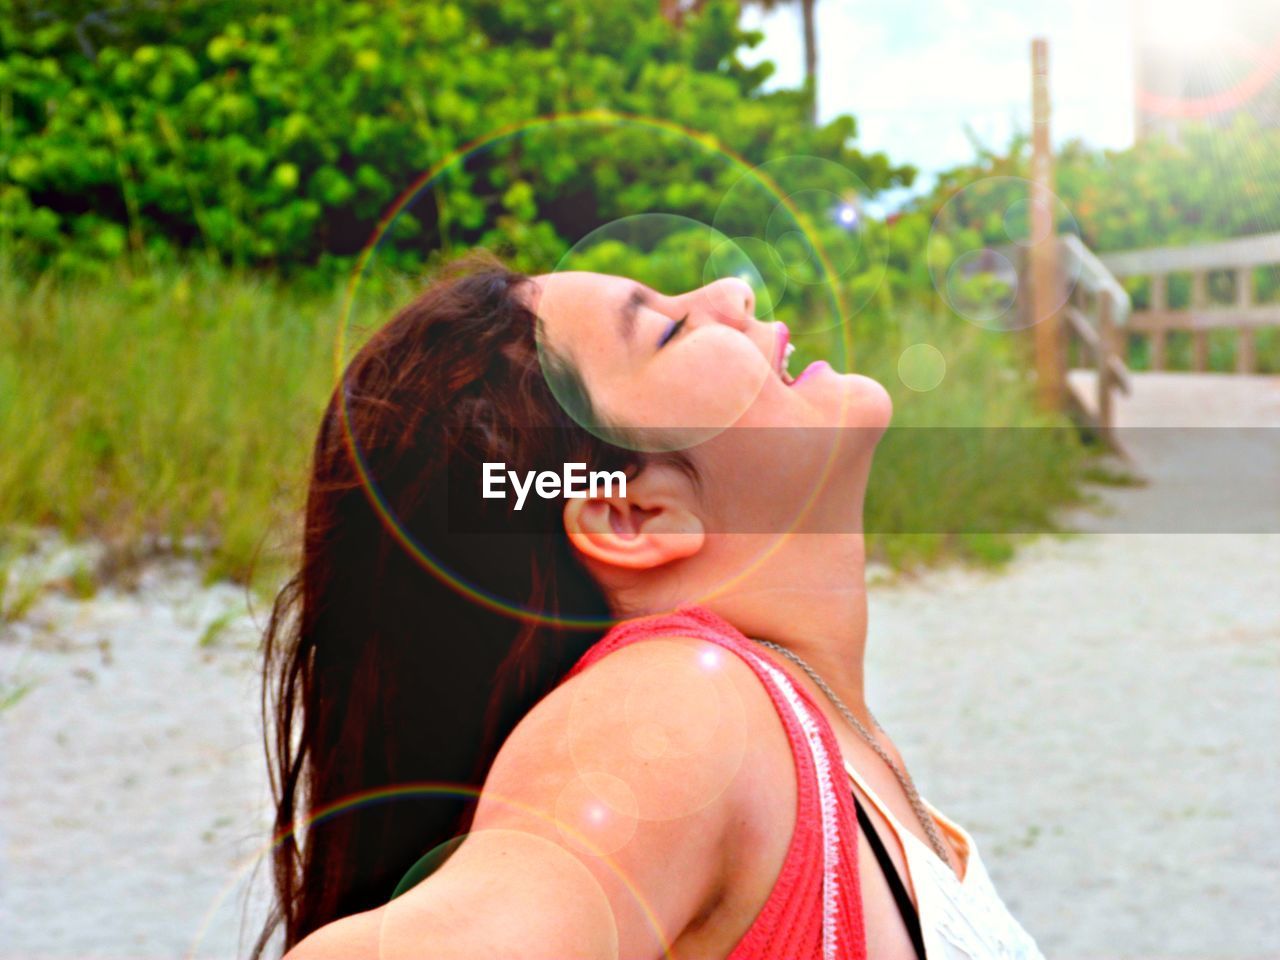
x,y
672,718
634,812
647,765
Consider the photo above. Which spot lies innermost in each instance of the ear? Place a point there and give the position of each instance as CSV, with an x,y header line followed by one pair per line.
x,y
651,526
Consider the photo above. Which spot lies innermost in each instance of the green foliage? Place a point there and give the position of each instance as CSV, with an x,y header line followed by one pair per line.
x,y
82,583
1217,183
217,627
17,596
183,182
276,134
183,402
176,403
12,692
970,467
1214,184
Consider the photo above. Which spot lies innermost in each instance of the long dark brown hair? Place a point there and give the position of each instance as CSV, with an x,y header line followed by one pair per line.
x,y
378,673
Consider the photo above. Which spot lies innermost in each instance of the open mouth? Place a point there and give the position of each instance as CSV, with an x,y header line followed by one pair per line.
x,y
786,350
782,359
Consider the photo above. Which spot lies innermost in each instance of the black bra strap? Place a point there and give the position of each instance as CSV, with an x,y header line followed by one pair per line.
x,y
908,910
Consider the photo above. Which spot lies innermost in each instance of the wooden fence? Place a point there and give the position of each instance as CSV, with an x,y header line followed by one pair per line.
x,y
1238,257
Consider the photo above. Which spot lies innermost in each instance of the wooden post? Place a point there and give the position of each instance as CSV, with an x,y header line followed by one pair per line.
x,y
1106,346
1043,249
1245,348
1199,337
1159,304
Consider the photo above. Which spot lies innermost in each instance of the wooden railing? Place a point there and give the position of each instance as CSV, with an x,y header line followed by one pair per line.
x,y
1097,318
1093,314
1238,257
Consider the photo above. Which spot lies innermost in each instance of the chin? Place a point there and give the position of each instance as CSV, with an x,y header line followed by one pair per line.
x,y
864,404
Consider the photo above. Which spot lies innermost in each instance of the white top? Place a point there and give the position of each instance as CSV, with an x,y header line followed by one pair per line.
x,y
960,918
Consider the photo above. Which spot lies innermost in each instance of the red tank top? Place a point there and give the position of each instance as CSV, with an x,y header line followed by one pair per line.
x,y
814,911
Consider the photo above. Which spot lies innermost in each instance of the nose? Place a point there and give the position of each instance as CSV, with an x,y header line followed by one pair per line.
x,y
732,300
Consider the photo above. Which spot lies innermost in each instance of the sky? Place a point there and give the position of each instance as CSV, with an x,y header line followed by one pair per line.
x,y
915,73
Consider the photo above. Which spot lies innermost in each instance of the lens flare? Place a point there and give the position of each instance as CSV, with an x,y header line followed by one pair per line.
x,y
765,271
921,367
575,842
1252,71
597,814
813,225
687,752
979,276
670,254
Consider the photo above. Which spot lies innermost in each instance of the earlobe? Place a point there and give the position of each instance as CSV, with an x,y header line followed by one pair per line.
x,y
621,533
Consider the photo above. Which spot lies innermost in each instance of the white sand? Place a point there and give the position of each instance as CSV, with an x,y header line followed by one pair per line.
x,y
131,780
1103,717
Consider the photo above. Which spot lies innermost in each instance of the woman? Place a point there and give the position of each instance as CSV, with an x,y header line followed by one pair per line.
x,y
706,780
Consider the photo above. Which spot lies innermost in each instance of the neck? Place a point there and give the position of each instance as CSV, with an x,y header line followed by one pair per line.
x,y
808,594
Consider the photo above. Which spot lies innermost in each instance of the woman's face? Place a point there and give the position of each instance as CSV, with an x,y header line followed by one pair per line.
x,y
694,364
699,360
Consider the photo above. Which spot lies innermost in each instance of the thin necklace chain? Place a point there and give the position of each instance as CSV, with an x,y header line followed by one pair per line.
x,y
908,787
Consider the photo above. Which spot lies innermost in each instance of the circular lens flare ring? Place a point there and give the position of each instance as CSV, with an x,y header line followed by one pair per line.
x,y
386,515
669,254
978,281
818,231
1259,78
581,842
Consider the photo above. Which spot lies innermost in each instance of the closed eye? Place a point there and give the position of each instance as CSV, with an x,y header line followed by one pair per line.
x,y
671,331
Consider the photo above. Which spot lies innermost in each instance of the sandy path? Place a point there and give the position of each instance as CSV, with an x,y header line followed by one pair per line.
x,y
1104,720
1102,715
131,783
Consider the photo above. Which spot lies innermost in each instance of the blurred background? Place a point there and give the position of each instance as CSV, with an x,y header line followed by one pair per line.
x,y
1069,249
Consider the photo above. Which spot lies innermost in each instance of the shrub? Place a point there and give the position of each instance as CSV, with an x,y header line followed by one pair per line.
x,y
275,134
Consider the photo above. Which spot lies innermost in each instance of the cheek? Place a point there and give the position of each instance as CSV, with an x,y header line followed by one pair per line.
x,y
703,388
731,370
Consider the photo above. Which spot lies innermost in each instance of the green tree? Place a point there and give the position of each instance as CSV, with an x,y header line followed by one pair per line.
x,y
273,134
1213,184
808,21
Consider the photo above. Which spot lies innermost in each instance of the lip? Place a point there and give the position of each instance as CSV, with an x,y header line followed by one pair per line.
x,y
818,366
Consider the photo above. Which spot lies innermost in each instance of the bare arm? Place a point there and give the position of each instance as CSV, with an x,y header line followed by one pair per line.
x,y
504,894
602,828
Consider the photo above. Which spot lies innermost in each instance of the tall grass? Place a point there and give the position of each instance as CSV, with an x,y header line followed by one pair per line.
x,y
970,466
183,403
179,404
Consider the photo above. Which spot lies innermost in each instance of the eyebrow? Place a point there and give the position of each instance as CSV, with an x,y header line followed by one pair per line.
x,y
639,297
